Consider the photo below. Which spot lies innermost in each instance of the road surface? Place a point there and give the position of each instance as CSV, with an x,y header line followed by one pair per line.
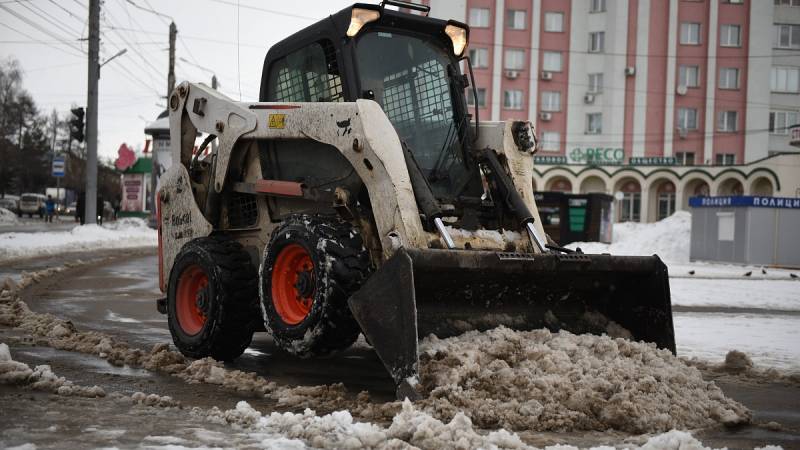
x,y
118,299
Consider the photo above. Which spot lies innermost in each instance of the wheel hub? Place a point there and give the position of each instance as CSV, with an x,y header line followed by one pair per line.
x,y
304,284
201,300
293,284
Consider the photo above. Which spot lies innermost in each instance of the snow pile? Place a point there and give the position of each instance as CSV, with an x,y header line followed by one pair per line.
x,y
411,428
40,378
668,238
126,233
484,239
7,217
163,401
543,381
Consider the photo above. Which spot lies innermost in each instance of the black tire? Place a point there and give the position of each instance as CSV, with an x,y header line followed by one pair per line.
x,y
230,299
340,266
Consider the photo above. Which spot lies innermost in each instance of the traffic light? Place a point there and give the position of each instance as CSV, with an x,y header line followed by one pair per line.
x,y
76,124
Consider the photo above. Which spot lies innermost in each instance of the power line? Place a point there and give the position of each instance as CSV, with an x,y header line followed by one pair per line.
x,y
152,11
626,54
269,11
50,19
43,42
194,38
37,27
134,48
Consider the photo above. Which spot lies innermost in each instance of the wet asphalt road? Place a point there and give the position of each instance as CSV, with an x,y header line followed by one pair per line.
x,y
35,225
119,299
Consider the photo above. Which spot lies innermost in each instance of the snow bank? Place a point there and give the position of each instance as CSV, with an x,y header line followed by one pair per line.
x,y
739,292
7,217
543,381
40,378
770,340
668,238
124,233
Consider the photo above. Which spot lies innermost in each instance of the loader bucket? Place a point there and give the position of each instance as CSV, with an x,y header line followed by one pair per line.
x,y
447,292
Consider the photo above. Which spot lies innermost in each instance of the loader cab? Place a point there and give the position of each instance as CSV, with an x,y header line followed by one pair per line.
x,y
407,63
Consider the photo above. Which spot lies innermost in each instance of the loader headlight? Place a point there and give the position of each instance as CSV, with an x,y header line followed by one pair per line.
x,y
361,17
459,37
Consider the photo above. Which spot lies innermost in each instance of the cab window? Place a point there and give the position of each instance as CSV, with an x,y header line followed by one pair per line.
x,y
310,74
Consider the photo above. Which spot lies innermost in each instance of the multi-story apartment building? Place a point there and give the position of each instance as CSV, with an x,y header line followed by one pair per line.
x,y
650,100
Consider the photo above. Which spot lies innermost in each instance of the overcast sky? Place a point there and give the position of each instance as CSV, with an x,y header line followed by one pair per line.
x,y
45,36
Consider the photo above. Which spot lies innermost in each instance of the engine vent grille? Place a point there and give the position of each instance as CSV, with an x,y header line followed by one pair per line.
x,y
242,210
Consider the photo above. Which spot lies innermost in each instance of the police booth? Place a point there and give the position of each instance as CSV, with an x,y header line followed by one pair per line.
x,y
746,229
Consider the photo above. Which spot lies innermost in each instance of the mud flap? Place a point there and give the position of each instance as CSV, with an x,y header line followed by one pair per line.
x,y
448,292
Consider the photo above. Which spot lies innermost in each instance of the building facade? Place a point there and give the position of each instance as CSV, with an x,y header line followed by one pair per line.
x,y
617,86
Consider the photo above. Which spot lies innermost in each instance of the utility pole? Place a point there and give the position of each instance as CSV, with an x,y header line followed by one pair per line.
x,y
52,157
214,86
90,205
173,33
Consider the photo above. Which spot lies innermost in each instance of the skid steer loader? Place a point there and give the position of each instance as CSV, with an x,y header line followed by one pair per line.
x,y
359,195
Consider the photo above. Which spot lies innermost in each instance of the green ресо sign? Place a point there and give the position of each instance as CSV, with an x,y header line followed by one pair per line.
x,y
597,155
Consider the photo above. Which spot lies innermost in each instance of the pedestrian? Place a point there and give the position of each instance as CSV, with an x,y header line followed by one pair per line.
x,y
80,208
100,210
50,208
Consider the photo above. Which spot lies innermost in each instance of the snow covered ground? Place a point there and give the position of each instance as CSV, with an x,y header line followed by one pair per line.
x,y
719,307
123,233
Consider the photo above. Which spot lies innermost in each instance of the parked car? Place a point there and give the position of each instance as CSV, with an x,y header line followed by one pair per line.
x,y
9,203
31,204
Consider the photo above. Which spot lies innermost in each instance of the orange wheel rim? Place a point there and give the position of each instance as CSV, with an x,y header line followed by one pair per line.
x,y
192,299
293,284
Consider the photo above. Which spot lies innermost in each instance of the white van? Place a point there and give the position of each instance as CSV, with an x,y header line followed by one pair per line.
x,y
31,204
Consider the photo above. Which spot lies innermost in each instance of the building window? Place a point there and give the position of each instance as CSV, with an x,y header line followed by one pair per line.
x,y
733,2
729,78
689,76
687,118
780,121
690,33
514,59
551,101
481,98
554,22
666,205
594,123
512,99
726,121
551,62
630,206
595,83
730,36
551,141
787,2
516,19
479,58
787,35
597,6
785,79
685,158
597,41
479,17
725,159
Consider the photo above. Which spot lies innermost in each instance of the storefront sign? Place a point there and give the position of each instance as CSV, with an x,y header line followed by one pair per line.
x,y
652,161
745,200
549,159
597,155
132,192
